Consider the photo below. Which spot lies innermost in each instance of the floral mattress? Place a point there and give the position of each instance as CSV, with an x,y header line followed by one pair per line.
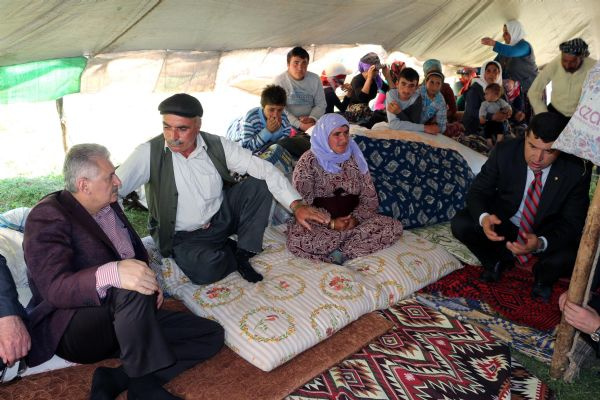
x,y
301,302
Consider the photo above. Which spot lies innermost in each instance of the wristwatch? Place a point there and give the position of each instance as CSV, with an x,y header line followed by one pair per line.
x,y
596,335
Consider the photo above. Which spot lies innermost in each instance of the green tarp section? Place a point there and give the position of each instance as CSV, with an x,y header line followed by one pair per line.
x,y
41,80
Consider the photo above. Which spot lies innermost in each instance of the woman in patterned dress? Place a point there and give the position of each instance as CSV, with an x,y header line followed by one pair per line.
x,y
334,177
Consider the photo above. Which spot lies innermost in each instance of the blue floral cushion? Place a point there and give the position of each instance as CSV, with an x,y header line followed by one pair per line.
x,y
418,184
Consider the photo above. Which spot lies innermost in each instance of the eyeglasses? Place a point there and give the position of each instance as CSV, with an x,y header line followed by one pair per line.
x,y
9,372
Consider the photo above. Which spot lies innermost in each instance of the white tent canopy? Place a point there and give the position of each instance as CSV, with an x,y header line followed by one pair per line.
x,y
224,52
447,30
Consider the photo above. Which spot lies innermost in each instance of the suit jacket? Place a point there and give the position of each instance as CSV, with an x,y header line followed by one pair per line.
x,y
63,247
499,187
9,298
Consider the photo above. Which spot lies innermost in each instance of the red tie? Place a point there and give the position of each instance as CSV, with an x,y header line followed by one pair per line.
x,y
532,200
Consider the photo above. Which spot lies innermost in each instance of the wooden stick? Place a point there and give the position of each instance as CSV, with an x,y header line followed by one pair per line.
x,y
63,123
578,285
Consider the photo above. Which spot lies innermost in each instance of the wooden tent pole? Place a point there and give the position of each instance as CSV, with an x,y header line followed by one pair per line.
x,y
63,124
578,285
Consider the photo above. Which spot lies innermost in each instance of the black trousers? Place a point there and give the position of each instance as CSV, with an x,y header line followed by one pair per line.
x,y
551,265
296,145
555,111
128,326
492,129
204,255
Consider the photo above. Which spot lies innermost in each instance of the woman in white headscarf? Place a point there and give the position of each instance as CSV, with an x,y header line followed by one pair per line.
x,y
491,72
516,56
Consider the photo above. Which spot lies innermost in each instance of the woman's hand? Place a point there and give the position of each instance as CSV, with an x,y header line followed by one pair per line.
x,y
385,70
488,41
371,72
347,88
343,223
519,116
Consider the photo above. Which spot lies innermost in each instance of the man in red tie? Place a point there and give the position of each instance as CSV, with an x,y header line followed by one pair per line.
x,y
527,206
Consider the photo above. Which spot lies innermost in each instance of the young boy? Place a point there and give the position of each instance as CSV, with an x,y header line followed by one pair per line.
x,y
404,104
493,130
305,99
264,130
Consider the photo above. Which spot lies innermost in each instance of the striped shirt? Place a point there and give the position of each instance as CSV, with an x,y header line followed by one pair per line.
x,y
251,131
107,275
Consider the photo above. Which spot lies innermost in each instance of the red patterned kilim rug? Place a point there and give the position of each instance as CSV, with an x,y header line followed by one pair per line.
x,y
510,297
426,356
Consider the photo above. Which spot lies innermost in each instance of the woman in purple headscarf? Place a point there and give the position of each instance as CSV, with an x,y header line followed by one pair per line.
x,y
334,177
365,87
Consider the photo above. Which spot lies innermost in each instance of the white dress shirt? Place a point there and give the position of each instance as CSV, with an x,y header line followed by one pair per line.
x,y
198,182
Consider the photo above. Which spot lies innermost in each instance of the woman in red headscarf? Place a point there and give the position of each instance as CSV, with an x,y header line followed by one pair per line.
x,y
332,78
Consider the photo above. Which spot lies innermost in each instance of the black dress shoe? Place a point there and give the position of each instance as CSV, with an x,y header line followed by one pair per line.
x,y
542,291
491,275
108,383
148,388
244,268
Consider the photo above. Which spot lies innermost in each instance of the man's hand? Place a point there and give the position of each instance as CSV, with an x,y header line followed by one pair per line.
x,y
15,342
160,298
273,124
306,119
488,223
432,129
306,122
531,245
344,223
562,300
304,127
305,214
585,319
136,275
488,41
394,108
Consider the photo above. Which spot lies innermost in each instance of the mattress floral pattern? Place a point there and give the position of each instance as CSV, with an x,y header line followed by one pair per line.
x,y
416,183
302,302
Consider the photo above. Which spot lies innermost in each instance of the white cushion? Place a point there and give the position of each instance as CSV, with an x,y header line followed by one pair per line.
x,y
11,247
301,302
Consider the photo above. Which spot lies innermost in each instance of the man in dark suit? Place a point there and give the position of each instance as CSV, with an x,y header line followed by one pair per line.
x,y
15,342
94,296
499,208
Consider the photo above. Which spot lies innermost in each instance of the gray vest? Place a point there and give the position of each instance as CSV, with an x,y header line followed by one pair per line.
x,y
161,191
522,69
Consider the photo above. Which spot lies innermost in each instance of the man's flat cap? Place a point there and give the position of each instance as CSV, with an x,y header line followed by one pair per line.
x,y
181,104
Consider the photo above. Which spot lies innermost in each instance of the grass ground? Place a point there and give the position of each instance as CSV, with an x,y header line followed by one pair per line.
x,y
25,192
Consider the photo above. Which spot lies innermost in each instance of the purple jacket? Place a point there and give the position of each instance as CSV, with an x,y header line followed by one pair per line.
x,y
63,247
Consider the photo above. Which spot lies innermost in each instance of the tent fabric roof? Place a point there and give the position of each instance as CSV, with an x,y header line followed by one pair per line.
x,y
447,30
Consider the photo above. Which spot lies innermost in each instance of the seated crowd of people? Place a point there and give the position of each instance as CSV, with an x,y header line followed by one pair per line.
x,y
95,297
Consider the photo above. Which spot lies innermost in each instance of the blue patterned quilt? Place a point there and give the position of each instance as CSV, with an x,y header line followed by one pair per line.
x,y
418,184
